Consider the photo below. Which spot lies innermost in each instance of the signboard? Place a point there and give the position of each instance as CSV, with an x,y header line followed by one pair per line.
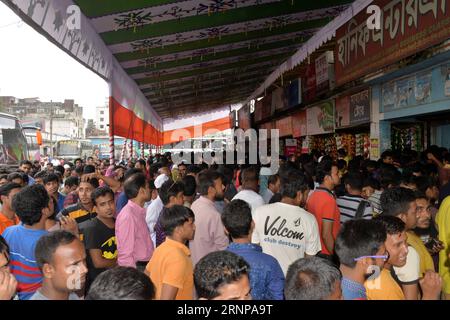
x,y
320,118
299,124
285,126
360,107
323,71
374,149
310,89
342,118
279,100
407,92
294,93
406,27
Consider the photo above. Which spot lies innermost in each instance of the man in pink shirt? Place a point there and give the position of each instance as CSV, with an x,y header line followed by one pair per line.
x,y
134,244
210,232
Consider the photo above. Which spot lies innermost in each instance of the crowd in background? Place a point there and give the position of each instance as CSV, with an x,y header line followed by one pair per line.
x,y
318,228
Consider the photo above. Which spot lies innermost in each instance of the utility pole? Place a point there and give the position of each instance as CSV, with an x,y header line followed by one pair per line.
x,y
51,129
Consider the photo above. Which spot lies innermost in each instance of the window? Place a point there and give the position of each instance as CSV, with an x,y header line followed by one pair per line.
x,y
102,127
102,112
102,119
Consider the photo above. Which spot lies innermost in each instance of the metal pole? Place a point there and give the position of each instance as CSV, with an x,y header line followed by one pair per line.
x,y
142,150
51,129
111,133
124,149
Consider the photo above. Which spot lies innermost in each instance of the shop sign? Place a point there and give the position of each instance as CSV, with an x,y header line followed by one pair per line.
x,y
342,118
320,118
406,27
285,126
360,107
407,92
299,124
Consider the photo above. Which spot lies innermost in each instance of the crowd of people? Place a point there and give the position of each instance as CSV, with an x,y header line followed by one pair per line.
x,y
319,228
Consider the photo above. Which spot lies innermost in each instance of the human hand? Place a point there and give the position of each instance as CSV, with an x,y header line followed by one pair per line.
x,y
431,285
69,224
86,177
8,285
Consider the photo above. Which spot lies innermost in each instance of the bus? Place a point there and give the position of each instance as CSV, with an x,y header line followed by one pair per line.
x,y
73,149
34,141
13,144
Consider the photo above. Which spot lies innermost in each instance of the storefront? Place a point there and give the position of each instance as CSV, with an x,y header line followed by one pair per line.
x,y
320,127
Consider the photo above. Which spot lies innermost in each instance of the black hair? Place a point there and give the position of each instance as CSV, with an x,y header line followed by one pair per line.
x,y
292,183
190,186
4,247
182,164
3,176
217,269
396,200
151,184
237,218
131,172
101,192
142,162
175,216
371,182
132,185
40,175
392,225
170,189
78,159
88,169
273,179
15,175
423,183
275,198
193,169
324,169
29,202
27,162
420,195
5,190
50,177
72,181
206,180
47,245
79,170
121,283
341,164
354,180
387,153
390,176
60,169
250,174
311,278
90,158
359,238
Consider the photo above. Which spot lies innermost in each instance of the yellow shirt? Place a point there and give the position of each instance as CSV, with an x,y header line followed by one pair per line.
x,y
426,262
171,264
443,222
383,287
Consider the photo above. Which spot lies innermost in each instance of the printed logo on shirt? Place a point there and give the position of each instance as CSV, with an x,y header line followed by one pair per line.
x,y
109,248
277,228
298,222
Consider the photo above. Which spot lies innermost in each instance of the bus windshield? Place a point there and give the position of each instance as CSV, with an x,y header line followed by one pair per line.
x,y
13,145
68,148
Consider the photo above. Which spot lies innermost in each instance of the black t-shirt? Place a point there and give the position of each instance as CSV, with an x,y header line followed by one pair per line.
x,y
96,235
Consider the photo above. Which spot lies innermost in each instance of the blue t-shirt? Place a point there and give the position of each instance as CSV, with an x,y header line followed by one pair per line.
x,y
266,275
61,199
122,201
22,243
352,290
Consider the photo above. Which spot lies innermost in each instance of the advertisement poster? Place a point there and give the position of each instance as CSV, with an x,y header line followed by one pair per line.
x,y
299,124
310,81
374,149
360,107
423,88
320,118
12,148
294,93
404,93
279,100
342,112
322,72
388,93
447,80
285,126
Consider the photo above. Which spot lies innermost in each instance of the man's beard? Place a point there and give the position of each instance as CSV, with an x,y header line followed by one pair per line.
x,y
218,197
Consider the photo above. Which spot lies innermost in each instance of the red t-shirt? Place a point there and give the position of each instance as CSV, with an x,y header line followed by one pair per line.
x,y
6,223
322,204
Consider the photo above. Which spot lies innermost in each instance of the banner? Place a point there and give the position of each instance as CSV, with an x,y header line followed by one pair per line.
x,y
342,118
360,107
299,124
294,93
310,81
285,126
320,118
406,27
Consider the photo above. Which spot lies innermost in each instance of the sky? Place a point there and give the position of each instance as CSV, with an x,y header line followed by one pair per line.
x,y
31,66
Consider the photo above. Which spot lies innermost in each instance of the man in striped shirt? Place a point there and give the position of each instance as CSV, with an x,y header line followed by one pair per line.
x,y
32,206
352,205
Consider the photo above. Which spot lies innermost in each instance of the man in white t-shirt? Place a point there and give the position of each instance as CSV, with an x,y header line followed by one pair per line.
x,y
284,229
249,192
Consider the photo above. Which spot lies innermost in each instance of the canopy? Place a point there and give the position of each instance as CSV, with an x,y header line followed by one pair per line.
x,y
169,60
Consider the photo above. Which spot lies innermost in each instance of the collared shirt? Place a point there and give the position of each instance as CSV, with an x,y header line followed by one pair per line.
x,y
209,230
171,265
252,198
133,238
266,275
5,222
152,215
267,194
352,290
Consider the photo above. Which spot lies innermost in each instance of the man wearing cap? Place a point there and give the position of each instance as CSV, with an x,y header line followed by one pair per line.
x,y
155,208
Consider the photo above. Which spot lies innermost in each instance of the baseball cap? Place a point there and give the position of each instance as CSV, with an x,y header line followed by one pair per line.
x,y
159,181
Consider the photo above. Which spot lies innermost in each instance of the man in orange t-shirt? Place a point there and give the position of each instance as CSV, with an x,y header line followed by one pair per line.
x,y
322,204
8,217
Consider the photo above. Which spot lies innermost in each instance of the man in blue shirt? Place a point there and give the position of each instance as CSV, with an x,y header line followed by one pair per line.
x,y
266,275
362,253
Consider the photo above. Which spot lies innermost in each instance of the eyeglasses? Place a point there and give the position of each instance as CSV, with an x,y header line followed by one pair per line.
x,y
384,257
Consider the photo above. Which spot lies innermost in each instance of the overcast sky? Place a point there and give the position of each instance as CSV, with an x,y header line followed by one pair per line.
x,y
46,72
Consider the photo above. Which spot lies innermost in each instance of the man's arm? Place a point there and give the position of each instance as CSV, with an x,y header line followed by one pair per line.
x,y
220,238
411,291
276,285
100,262
168,292
327,234
125,243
